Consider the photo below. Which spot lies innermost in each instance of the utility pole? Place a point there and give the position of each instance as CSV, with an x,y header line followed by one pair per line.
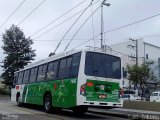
x,y
136,52
102,25
135,48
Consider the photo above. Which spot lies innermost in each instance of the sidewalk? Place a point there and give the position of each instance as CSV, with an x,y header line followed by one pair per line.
x,y
127,113
107,112
135,111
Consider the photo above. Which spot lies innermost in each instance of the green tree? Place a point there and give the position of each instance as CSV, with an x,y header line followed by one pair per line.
x,y
140,75
18,52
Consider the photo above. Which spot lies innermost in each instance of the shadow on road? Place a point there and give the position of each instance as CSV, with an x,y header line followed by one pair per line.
x,y
64,113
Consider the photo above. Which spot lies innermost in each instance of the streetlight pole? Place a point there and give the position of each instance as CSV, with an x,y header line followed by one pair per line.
x,y
102,25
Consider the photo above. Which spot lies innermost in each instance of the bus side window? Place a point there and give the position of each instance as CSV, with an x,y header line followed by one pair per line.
x,y
33,75
26,76
20,77
75,65
64,68
52,70
42,72
15,80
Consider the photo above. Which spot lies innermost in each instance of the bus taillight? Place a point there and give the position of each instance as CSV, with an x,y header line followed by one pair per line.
x,y
89,84
17,87
121,92
82,90
55,86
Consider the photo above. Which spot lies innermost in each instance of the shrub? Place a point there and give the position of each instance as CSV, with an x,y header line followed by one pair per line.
x,y
4,90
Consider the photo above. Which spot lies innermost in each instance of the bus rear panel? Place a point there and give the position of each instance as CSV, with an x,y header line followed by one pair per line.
x,y
100,86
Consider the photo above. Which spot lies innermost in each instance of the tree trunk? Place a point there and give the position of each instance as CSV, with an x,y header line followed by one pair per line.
x,y
142,88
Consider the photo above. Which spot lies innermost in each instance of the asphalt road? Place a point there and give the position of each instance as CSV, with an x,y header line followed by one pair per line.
x,y
12,111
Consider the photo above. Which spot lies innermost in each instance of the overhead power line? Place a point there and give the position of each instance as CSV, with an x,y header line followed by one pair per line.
x,y
130,24
12,13
84,39
62,22
151,35
92,24
31,13
142,20
57,18
98,48
72,26
58,25
55,40
85,42
80,28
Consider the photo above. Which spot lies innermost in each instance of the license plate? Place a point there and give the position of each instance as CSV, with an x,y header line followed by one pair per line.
x,y
102,96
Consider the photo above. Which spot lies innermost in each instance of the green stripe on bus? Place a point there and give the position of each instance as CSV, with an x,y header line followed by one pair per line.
x,y
63,92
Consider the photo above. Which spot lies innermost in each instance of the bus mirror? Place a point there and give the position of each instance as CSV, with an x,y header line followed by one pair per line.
x,y
124,74
13,83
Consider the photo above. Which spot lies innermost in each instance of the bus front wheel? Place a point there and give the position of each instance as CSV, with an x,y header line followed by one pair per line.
x,y
47,103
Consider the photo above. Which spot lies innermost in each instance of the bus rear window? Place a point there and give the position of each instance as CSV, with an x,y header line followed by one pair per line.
x,y
102,65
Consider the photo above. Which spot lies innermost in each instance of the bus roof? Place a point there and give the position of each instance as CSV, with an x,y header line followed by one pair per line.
x,y
58,56
49,59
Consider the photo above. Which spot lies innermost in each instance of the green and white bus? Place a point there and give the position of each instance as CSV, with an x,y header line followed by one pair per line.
x,y
74,80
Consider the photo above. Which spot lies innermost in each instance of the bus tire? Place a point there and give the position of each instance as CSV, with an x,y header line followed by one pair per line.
x,y
80,110
47,104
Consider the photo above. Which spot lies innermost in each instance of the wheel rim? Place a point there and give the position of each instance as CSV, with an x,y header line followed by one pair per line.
x,y
47,103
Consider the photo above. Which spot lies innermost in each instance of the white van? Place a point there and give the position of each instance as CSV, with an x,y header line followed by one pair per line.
x,y
155,96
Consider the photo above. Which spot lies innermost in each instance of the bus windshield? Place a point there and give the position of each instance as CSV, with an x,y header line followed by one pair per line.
x,y
102,65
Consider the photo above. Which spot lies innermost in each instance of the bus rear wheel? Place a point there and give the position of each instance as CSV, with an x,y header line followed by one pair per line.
x,y
80,110
47,103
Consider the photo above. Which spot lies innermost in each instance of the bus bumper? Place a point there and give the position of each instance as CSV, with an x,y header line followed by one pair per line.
x,y
103,104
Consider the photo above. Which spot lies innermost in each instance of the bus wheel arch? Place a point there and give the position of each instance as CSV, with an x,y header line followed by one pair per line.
x,y
47,101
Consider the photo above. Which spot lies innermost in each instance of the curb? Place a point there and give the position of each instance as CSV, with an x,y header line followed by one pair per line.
x,y
109,114
126,115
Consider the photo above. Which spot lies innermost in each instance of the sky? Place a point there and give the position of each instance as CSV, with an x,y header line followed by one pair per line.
x,y
119,13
